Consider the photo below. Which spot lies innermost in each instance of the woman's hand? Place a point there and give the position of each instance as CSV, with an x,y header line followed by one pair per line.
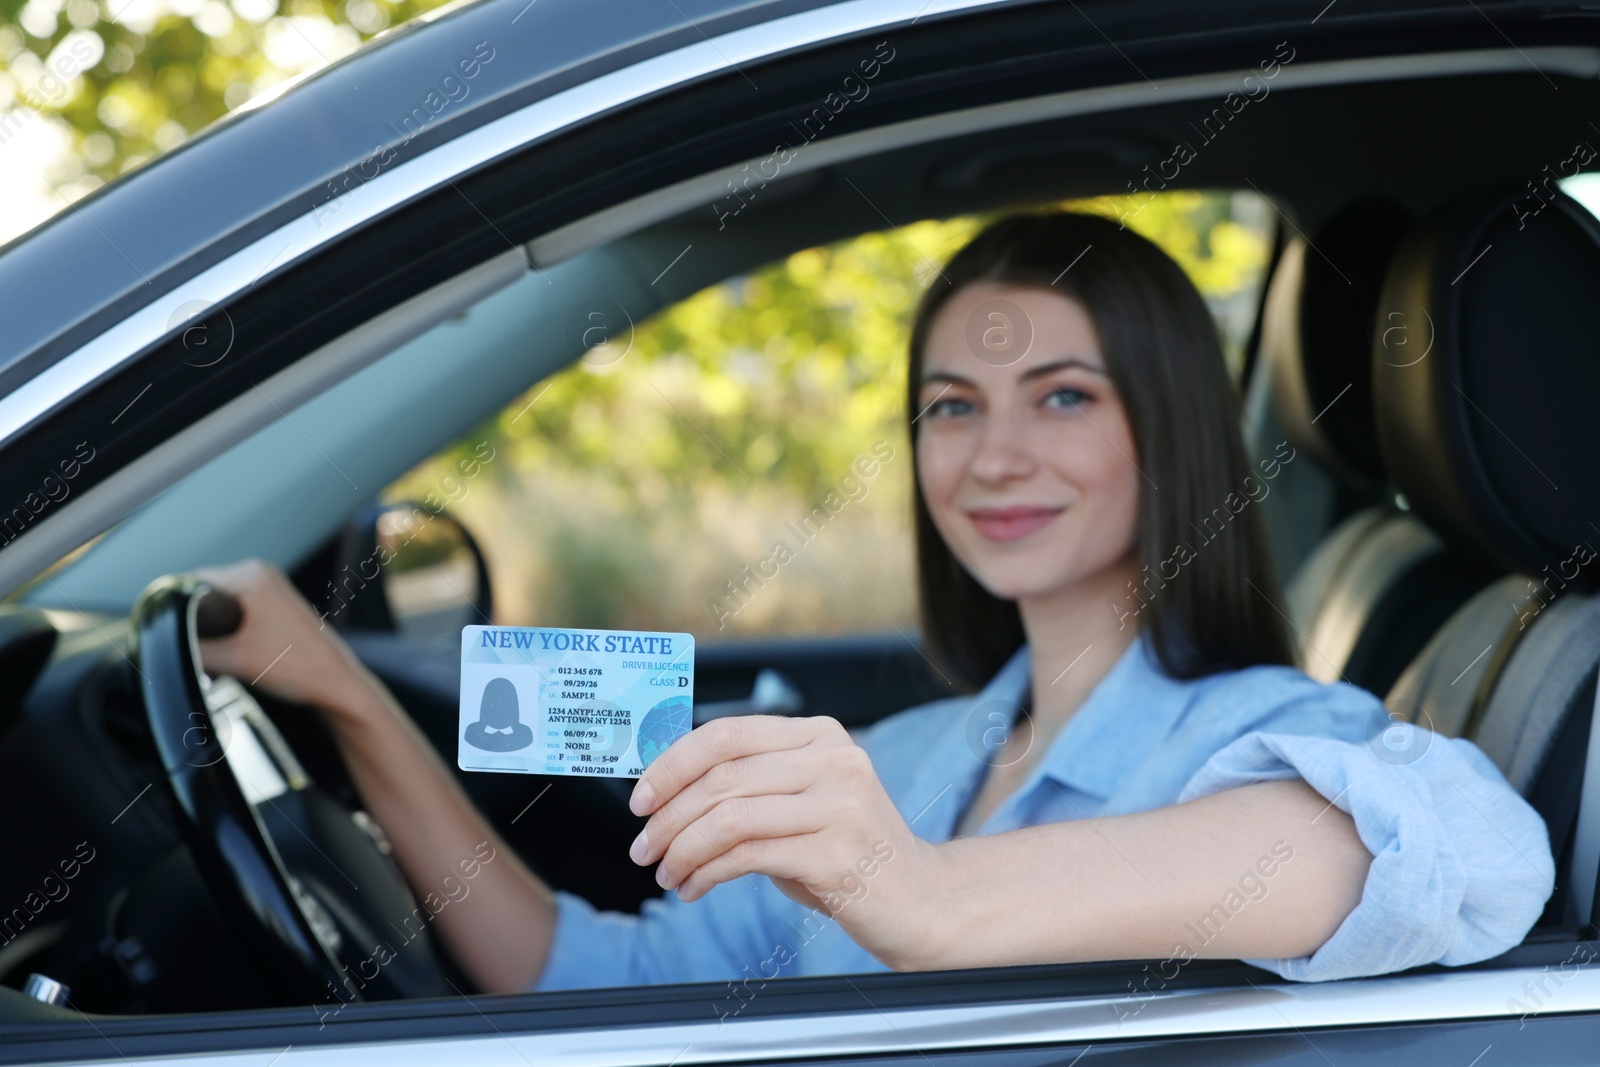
x,y
280,646
798,801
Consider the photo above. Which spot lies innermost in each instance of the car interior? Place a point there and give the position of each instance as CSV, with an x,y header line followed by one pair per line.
x,y
1431,538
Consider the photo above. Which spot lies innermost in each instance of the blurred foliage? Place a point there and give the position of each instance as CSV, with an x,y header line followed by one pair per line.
x,y
633,485
133,78
782,376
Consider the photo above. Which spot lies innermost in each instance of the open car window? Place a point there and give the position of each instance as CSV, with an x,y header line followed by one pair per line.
x,y
699,470
732,465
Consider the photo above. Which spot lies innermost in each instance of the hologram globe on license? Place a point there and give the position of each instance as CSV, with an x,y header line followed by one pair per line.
x,y
662,725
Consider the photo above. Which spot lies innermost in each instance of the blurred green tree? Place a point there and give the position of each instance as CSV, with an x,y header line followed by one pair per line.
x,y
129,79
782,376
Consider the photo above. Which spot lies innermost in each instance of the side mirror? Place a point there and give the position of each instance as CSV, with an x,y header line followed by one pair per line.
x,y
425,567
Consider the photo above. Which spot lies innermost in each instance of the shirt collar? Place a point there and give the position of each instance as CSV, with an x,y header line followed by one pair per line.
x,y
1124,717
1119,724
947,772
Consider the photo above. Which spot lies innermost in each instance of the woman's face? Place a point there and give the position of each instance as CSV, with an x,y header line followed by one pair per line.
x,y
1025,457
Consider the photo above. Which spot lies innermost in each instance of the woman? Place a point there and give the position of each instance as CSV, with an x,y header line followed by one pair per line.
x,y
1143,775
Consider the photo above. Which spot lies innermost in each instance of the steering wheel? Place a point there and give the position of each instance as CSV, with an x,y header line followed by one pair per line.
x,y
329,913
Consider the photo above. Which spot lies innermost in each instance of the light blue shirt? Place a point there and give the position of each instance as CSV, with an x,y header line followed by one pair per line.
x,y
1461,863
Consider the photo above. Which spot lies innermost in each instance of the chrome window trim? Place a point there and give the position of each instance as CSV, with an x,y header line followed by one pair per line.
x,y
1264,1007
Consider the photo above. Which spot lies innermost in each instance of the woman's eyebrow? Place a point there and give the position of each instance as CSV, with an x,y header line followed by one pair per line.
x,y
1035,372
1061,364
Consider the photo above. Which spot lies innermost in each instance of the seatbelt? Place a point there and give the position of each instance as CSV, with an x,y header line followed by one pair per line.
x,y
1586,847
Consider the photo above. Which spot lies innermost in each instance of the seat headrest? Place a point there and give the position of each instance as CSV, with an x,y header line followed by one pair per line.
x,y
1316,336
1486,364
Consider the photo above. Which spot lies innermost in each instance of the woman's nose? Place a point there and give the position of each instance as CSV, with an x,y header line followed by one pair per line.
x,y
1002,453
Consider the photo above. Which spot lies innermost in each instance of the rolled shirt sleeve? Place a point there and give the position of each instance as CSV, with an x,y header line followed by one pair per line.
x,y
1461,864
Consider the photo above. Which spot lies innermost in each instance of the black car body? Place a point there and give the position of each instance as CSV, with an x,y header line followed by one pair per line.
x,y
180,312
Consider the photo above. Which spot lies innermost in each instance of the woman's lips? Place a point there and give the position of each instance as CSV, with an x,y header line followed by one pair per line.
x,y
1011,524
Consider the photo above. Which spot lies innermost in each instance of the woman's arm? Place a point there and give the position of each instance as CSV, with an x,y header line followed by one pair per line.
x,y
797,800
500,935
1264,871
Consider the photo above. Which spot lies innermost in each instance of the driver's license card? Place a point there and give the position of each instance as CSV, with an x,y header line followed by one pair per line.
x,y
540,700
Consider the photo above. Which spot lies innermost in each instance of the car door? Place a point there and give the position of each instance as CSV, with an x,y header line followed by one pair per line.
x,y
279,271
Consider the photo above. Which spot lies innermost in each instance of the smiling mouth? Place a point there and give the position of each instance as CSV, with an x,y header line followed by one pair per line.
x,y
1011,524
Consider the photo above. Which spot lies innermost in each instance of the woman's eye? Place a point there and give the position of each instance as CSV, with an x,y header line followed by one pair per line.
x,y
1067,397
949,406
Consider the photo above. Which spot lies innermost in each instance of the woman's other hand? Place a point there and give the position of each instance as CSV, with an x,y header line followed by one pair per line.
x,y
280,646
502,938
799,801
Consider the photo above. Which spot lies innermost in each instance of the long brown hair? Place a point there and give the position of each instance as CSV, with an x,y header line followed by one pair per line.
x,y
1220,611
